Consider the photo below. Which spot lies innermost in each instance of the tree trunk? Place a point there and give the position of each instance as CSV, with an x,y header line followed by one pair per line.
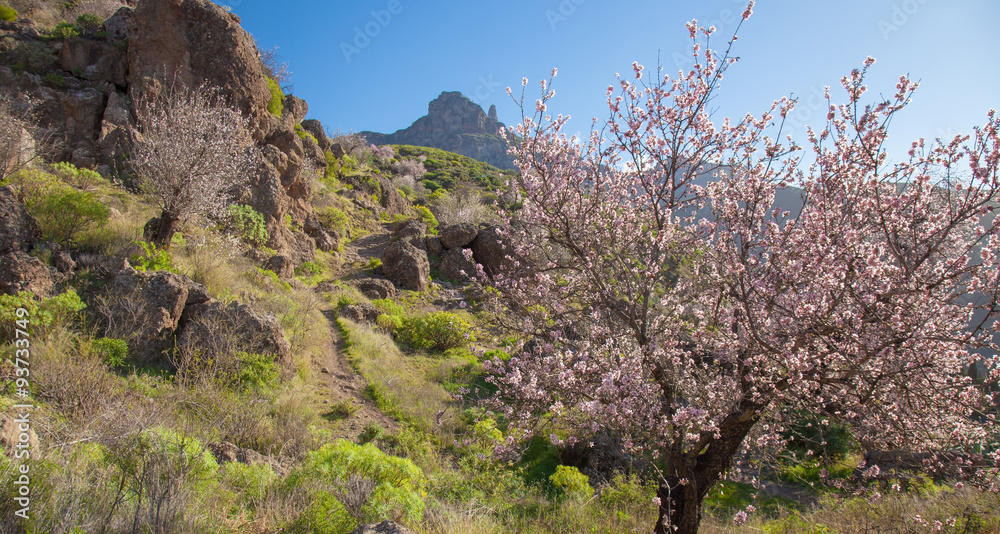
x,y
160,230
680,508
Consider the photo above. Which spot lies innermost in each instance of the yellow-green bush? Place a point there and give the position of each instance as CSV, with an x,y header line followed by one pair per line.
x,y
437,331
66,212
42,315
398,486
276,106
7,13
571,482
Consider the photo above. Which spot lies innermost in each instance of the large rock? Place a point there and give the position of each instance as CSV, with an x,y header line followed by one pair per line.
x,y
294,111
455,267
406,265
375,288
226,452
18,229
21,272
94,60
457,124
117,25
409,229
459,235
385,527
146,310
314,127
233,326
281,266
195,42
490,249
360,313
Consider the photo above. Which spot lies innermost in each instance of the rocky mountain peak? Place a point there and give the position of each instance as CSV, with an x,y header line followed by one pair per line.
x,y
457,124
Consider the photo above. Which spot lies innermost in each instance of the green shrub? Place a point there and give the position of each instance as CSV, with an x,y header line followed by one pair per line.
x,y
254,371
389,323
31,56
43,315
571,482
326,515
152,259
89,22
7,13
248,224
309,269
437,331
398,486
336,220
113,352
276,106
249,481
388,306
428,218
65,212
373,264
65,30
819,437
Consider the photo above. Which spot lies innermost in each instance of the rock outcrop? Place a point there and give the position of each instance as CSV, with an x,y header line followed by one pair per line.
x,y
406,265
18,229
375,288
234,326
194,42
456,124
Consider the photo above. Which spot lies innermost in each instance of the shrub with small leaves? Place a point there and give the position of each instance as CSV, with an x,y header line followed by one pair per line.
x,y
43,314
64,30
276,105
89,22
113,352
248,224
437,331
65,212
334,219
394,487
571,482
152,259
428,218
7,13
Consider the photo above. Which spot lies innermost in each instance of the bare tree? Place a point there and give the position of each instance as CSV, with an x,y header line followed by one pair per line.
x,y
189,153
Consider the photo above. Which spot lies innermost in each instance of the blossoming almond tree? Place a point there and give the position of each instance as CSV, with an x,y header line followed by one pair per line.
x,y
687,316
188,154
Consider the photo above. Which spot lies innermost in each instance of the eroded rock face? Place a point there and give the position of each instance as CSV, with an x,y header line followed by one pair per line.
x,y
94,60
18,229
457,124
21,272
406,265
409,229
240,327
193,42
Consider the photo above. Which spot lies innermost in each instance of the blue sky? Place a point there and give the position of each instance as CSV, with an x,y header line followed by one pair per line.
x,y
375,64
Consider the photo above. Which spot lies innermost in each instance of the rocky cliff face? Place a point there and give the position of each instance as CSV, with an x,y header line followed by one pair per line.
x,y
87,89
456,124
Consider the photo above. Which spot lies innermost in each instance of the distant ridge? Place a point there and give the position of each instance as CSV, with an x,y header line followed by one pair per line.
x,y
456,124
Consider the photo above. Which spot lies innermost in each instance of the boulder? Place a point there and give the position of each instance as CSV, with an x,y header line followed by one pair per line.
x,y
315,127
410,228
234,325
21,272
18,229
360,313
455,266
375,288
117,25
391,201
433,246
490,249
324,240
458,235
96,61
188,43
406,265
115,122
63,262
385,527
146,310
282,266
